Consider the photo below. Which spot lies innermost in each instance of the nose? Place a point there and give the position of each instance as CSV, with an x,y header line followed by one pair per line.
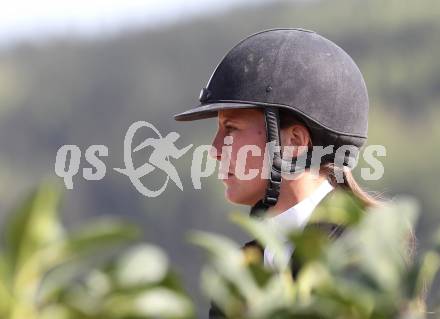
x,y
216,147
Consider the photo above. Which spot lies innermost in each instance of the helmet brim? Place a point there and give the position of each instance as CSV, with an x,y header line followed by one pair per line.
x,y
210,110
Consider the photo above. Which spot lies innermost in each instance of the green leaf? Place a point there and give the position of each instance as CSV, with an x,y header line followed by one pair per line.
x,y
154,303
33,226
310,244
217,290
228,260
429,267
55,311
340,208
279,293
267,235
162,303
5,291
378,243
144,264
79,251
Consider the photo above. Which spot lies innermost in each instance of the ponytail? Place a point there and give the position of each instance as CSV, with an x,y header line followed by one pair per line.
x,y
349,184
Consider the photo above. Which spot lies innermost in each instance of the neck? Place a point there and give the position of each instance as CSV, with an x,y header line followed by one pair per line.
x,y
294,191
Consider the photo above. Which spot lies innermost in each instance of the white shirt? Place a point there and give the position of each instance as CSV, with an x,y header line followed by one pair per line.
x,y
295,217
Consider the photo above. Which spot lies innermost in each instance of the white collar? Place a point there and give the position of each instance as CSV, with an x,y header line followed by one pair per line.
x,y
295,217
298,215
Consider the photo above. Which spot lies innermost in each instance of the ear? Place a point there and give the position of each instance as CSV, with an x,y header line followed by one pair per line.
x,y
295,135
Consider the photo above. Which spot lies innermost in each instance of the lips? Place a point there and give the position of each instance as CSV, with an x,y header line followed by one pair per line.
x,y
225,175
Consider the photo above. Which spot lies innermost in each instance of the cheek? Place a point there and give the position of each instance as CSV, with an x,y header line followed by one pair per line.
x,y
248,159
253,138
248,167
255,162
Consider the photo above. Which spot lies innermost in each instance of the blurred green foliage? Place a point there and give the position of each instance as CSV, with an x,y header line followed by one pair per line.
x,y
49,273
366,273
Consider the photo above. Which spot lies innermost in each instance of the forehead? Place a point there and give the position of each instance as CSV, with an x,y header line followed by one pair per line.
x,y
250,114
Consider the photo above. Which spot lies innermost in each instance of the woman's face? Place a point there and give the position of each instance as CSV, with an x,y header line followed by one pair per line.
x,y
246,127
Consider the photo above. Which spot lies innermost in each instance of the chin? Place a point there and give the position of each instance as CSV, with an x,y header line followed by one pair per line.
x,y
241,198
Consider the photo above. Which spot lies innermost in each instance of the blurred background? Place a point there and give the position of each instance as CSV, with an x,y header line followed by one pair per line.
x,y
81,72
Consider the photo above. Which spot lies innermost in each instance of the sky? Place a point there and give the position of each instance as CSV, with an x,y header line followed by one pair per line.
x,y
24,19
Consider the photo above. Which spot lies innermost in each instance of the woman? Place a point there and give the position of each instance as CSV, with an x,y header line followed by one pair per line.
x,y
288,87
295,89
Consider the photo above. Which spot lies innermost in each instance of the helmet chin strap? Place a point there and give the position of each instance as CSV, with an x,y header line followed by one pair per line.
x,y
277,163
270,198
272,120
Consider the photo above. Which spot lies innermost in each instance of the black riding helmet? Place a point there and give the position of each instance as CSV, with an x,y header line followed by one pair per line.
x,y
299,71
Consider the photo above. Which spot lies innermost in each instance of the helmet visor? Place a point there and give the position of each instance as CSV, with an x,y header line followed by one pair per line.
x,y
210,110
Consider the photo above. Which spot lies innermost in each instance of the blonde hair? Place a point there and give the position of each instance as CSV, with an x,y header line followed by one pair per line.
x,y
349,184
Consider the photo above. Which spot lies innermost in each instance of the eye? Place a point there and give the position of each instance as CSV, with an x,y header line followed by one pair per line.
x,y
230,128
